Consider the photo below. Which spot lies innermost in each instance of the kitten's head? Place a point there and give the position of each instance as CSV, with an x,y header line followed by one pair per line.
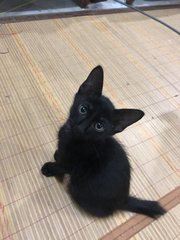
x,y
93,116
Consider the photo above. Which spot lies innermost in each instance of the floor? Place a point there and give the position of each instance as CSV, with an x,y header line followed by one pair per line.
x,y
26,8
42,64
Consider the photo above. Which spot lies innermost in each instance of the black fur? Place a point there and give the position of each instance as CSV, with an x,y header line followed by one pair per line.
x,y
97,164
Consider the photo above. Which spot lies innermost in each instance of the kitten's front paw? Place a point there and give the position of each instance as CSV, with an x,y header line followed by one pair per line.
x,y
47,169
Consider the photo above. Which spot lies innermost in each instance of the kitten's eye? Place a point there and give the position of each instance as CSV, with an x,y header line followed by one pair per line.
x,y
82,109
99,127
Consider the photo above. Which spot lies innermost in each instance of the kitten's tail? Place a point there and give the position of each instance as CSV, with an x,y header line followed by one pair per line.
x,y
150,208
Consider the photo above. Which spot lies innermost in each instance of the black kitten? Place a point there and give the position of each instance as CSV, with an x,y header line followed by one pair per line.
x,y
97,164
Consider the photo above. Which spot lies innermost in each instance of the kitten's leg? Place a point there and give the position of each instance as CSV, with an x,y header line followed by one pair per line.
x,y
50,169
56,155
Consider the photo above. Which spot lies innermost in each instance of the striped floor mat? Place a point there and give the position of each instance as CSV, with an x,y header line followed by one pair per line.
x,y
42,64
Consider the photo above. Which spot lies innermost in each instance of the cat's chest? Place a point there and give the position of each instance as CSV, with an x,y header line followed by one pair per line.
x,y
81,151
82,154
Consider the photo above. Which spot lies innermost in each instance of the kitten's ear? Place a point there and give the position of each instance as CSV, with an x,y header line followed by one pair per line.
x,y
93,84
125,117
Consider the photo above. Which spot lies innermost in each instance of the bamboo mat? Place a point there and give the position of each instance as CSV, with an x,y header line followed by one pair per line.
x,y
42,64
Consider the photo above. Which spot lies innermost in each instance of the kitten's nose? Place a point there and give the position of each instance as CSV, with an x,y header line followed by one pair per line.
x,y
77,130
